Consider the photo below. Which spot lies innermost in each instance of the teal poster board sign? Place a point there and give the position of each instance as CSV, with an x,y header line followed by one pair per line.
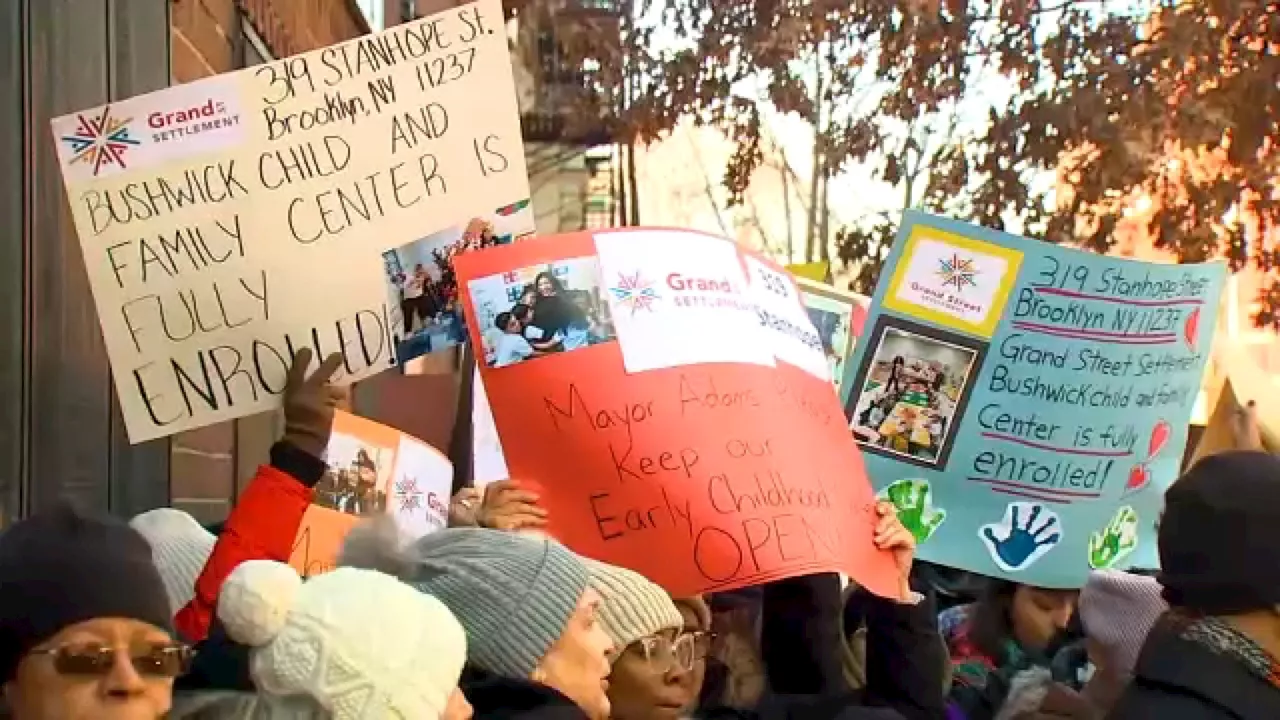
x,y
1025,405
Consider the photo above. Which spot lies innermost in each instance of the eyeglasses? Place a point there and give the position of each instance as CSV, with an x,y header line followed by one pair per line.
x,y
682,653
162,660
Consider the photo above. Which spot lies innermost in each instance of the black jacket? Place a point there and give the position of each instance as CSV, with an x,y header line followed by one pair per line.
x,y
1178,679
498,698
801,644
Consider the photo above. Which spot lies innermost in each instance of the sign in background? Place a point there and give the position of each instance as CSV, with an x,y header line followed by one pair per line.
x,y
839,317
708,467
1025,405
228,221
372,469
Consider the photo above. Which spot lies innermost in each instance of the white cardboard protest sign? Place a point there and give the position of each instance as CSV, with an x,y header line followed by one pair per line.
x,y
230,221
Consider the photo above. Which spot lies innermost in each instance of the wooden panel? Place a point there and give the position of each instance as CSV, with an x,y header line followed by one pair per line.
x,y
139,63
13,343
60,429
70,401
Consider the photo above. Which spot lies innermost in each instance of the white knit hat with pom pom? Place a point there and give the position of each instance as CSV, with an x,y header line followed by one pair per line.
x,y
362,644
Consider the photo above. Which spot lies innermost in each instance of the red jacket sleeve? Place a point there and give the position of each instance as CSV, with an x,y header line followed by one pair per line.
x,y
262,526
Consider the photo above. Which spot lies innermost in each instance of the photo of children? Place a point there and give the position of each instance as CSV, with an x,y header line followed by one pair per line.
x,y
838,318
356,480
421,283
541,310
910,393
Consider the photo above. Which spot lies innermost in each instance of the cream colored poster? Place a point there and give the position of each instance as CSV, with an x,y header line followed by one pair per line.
x,y
227,222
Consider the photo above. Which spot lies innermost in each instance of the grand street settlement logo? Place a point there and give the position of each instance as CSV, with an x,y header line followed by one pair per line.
x,y
957,272
100,141
635,292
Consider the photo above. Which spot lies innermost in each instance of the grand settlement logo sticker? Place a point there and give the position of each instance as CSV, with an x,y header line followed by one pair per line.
x,y
953,281
100,140
634,291
958,272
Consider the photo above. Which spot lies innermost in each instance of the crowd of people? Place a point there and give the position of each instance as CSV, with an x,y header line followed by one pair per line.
x,y
164,618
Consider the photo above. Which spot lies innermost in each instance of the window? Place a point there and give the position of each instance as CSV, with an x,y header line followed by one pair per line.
x,y
256,51
375,12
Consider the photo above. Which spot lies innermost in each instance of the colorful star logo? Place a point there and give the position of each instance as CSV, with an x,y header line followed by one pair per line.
x,y
101,141
635,292
409,494
957,272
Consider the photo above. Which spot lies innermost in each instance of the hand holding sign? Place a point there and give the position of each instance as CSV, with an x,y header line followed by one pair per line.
x,y
464,507
508,506
892,536
309,402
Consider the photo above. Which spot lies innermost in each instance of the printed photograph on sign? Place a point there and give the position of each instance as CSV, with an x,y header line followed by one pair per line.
x,y
355,482
838,317
541,310
422,285
911,391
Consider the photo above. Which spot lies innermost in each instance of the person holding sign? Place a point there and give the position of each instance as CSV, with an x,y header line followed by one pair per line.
x,y
266,517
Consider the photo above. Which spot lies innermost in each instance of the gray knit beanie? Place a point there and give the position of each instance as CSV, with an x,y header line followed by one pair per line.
x,y
631,606
513,593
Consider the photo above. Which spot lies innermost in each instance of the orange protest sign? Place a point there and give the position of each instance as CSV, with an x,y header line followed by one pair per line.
x,y
702,476
372,468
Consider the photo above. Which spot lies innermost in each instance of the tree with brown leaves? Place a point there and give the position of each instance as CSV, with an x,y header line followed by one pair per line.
x,y
1054,115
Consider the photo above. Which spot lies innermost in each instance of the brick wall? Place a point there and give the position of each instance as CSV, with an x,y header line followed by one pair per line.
x,y
211,464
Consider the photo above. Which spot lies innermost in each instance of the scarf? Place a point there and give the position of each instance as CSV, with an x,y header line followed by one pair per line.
x,y
1222,638
970,666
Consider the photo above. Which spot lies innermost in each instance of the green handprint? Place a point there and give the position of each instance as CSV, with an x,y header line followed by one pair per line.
x,y
913,499
1115,541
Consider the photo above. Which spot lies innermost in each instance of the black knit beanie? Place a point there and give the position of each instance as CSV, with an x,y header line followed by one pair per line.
x,y
1220,535
60,567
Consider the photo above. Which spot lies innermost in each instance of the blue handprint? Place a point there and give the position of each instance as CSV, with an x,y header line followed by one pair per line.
x,y
1013,544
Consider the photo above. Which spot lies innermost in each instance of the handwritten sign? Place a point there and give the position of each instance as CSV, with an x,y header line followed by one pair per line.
x,y
229,221
372,469
712,468
1025,405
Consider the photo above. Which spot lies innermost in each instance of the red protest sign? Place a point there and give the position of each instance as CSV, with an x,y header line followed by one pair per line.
x,y
703,476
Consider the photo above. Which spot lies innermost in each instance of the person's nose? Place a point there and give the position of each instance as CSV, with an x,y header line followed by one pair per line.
x,y
1062,617
123,680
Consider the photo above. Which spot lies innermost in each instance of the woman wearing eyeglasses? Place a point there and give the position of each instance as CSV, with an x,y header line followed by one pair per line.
x,y
84,621
653,666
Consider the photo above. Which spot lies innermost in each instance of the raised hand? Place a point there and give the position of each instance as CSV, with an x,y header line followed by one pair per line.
x,y
309,403
1115,541
1027,532
913,500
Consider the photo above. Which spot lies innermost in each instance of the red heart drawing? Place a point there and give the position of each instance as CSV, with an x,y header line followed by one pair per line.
x,y
1138,479
1159,436
1191,329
